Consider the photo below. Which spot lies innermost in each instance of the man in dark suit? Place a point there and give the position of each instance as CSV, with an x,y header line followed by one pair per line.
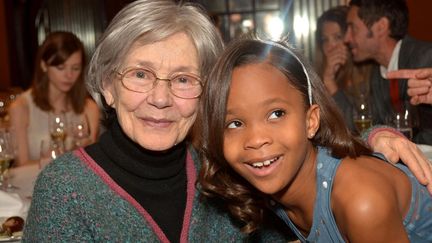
x,y
377,30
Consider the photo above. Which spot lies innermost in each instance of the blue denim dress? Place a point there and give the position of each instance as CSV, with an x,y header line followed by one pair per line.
x,y
418,221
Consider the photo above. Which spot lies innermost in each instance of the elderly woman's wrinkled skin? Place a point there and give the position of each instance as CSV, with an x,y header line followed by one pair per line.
x,y
156,120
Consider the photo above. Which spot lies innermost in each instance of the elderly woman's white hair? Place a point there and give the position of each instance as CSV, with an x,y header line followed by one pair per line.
x,y
145,22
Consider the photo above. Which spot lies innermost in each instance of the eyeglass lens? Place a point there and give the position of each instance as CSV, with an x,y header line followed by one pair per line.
x,y
143,80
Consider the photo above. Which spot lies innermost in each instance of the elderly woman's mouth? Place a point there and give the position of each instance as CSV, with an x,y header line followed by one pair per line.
x,y
158,123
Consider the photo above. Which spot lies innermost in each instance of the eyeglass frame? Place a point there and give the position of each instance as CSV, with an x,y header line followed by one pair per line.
x,y
173,76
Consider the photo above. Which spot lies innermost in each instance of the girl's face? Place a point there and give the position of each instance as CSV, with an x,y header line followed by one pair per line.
x,y
267,127
63,77
332,37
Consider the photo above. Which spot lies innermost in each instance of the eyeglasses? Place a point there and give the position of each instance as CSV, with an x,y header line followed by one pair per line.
x,y
142,80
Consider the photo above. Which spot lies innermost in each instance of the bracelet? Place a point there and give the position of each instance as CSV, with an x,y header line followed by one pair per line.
x,y
382,129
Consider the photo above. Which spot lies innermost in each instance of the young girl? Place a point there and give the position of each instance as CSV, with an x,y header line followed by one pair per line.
x,y
273,138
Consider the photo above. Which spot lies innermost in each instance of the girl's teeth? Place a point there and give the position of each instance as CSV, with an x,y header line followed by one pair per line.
x,y
262,164
258,165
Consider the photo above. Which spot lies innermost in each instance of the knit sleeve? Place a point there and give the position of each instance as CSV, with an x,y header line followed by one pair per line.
x,y
55,214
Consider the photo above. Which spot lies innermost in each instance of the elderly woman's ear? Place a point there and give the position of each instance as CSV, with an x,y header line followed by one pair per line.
x,y
109,93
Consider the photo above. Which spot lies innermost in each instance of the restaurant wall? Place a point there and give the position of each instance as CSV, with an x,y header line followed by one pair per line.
x,y
420,25
18,41
4,53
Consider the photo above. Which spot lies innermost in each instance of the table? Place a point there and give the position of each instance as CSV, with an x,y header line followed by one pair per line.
x,y
426,149
23,178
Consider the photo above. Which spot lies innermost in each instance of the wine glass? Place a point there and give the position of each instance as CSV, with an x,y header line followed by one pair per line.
x,y
362,115
402,120
80,130
3,111
50,149
7,155
57,126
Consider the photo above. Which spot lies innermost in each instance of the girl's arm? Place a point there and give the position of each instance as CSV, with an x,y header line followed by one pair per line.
x,y
394,146
19,120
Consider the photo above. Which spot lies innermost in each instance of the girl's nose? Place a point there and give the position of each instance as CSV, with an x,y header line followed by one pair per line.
x,y
257,137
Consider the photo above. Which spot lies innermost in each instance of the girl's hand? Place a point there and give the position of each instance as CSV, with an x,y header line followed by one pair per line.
x,y
396,147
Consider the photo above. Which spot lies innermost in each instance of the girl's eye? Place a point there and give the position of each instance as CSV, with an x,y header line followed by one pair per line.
x,y
234,124
276,114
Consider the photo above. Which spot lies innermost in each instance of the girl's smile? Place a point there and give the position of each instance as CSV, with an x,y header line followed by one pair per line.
x,y
264,167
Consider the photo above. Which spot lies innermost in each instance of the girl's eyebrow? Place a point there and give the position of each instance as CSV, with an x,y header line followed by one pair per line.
x,y
264,103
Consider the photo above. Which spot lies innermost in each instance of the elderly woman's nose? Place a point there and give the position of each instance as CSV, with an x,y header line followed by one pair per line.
x,y
160,96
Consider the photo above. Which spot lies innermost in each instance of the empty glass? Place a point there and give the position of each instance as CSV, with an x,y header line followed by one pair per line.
x,y
402,120
7,155
50,149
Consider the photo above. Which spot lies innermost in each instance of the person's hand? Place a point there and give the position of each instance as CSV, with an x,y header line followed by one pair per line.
x,y
395,147
335,59
419,83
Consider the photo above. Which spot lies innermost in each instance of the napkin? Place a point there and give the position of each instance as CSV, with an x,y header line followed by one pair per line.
x,y
426,149
11,204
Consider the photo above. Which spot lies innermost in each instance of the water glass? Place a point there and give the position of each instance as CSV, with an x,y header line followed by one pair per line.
x,y
50,149
402,121
7,155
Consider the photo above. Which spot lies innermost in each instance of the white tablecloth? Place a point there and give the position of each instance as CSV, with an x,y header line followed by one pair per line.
x,y
23,178
426,149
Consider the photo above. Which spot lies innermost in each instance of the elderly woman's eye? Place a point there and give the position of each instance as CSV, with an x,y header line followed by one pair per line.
x,y
140,74
276,114
234,124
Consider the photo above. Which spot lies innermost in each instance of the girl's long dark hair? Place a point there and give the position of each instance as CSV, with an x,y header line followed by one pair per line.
x,y
217,178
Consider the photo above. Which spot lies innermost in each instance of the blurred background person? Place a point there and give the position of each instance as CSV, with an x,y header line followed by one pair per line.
x,y
58,87
345,81
377,30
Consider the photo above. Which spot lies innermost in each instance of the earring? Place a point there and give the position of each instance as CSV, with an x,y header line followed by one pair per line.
x,y
311,135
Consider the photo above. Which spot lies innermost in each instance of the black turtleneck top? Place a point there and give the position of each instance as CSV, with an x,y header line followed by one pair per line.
x,y
156,180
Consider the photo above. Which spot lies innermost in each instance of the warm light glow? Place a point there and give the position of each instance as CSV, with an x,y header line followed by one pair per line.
x,y
301,26
247,23
274,27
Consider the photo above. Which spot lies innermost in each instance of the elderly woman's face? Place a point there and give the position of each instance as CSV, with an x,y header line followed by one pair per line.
x,y
157,120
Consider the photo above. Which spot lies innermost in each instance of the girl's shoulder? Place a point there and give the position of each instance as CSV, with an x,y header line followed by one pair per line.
x,y
368,175
20,103
368,191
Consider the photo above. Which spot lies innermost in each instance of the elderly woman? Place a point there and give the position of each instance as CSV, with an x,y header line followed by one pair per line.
x,y
137,183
